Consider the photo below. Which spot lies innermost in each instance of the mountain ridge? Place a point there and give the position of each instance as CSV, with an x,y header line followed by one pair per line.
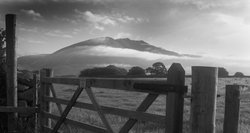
x,y
97,52
120,43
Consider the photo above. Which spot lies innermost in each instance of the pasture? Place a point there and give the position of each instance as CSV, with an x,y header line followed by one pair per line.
x,y
130,100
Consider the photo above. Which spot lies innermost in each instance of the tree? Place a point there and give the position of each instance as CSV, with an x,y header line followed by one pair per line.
x,y
239,74
110,70
2,49
3,90
222,72
157,69
136,71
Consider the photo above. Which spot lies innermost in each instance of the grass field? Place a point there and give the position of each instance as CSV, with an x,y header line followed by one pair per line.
x,y
130,100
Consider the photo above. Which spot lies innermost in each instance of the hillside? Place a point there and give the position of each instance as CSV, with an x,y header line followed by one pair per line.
x,y
99,52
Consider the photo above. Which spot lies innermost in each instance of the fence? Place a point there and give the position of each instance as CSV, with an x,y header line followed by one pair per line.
x,y
203,98
173,87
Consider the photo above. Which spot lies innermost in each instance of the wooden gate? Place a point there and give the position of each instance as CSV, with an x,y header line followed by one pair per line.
x,y
173,87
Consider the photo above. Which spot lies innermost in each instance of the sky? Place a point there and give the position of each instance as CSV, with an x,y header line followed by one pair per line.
x,y
215,29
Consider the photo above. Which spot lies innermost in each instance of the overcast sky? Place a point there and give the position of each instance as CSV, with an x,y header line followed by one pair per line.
x,y
211,28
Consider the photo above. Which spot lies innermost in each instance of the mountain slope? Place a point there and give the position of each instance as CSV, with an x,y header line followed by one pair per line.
x,y
118,43
98,52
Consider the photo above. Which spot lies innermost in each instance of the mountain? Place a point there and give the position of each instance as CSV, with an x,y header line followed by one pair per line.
x,y
118,43
99,52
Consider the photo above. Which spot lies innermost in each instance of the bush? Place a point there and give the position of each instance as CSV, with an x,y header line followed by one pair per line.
x,y
222,72
136,71
239,74
110,70
157,69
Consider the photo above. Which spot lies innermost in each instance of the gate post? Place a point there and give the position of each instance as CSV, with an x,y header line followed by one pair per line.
x,y
175,101
11,71
203,102
35,102
44,105
232,108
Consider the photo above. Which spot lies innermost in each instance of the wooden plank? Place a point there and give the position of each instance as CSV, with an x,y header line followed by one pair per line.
x,y
48,130
35,101
78,124
11,70
204,95
115,111
67,109
67,81
175,101
232,108
44,105
59,107
98,109
26,110
157,86
142,108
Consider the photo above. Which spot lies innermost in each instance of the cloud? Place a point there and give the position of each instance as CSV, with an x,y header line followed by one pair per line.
x,y
36,42
31,13
96,18
101,20
123,52
129,19
34,30
104,65
58,33
209,4
36,16
123,35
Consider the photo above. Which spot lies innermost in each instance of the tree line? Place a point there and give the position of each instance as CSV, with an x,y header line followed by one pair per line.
x,y
157,69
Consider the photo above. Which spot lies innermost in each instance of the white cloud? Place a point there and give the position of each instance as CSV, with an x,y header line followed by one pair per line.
x,y
58,33
31,13
98,27
36,42
101,20
123,35
96,18
34,30
104,65
122,52
208,4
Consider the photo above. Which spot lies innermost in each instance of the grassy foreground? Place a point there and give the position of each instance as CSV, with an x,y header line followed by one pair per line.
x,y
130,100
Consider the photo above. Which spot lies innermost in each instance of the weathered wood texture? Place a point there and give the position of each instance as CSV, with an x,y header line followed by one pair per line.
x,y
232,108
67,109
98,110
173,87
11,62
203,102
175,101
156,86
92,128
35,101
26,110
45,105
142,108
115,111
59,107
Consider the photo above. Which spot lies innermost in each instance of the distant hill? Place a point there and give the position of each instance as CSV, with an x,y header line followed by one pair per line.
x,y
98,52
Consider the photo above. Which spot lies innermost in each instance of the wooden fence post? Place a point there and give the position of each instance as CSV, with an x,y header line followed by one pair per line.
x,y
175,101
11,70
203,102
44,106
35,102
232,108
